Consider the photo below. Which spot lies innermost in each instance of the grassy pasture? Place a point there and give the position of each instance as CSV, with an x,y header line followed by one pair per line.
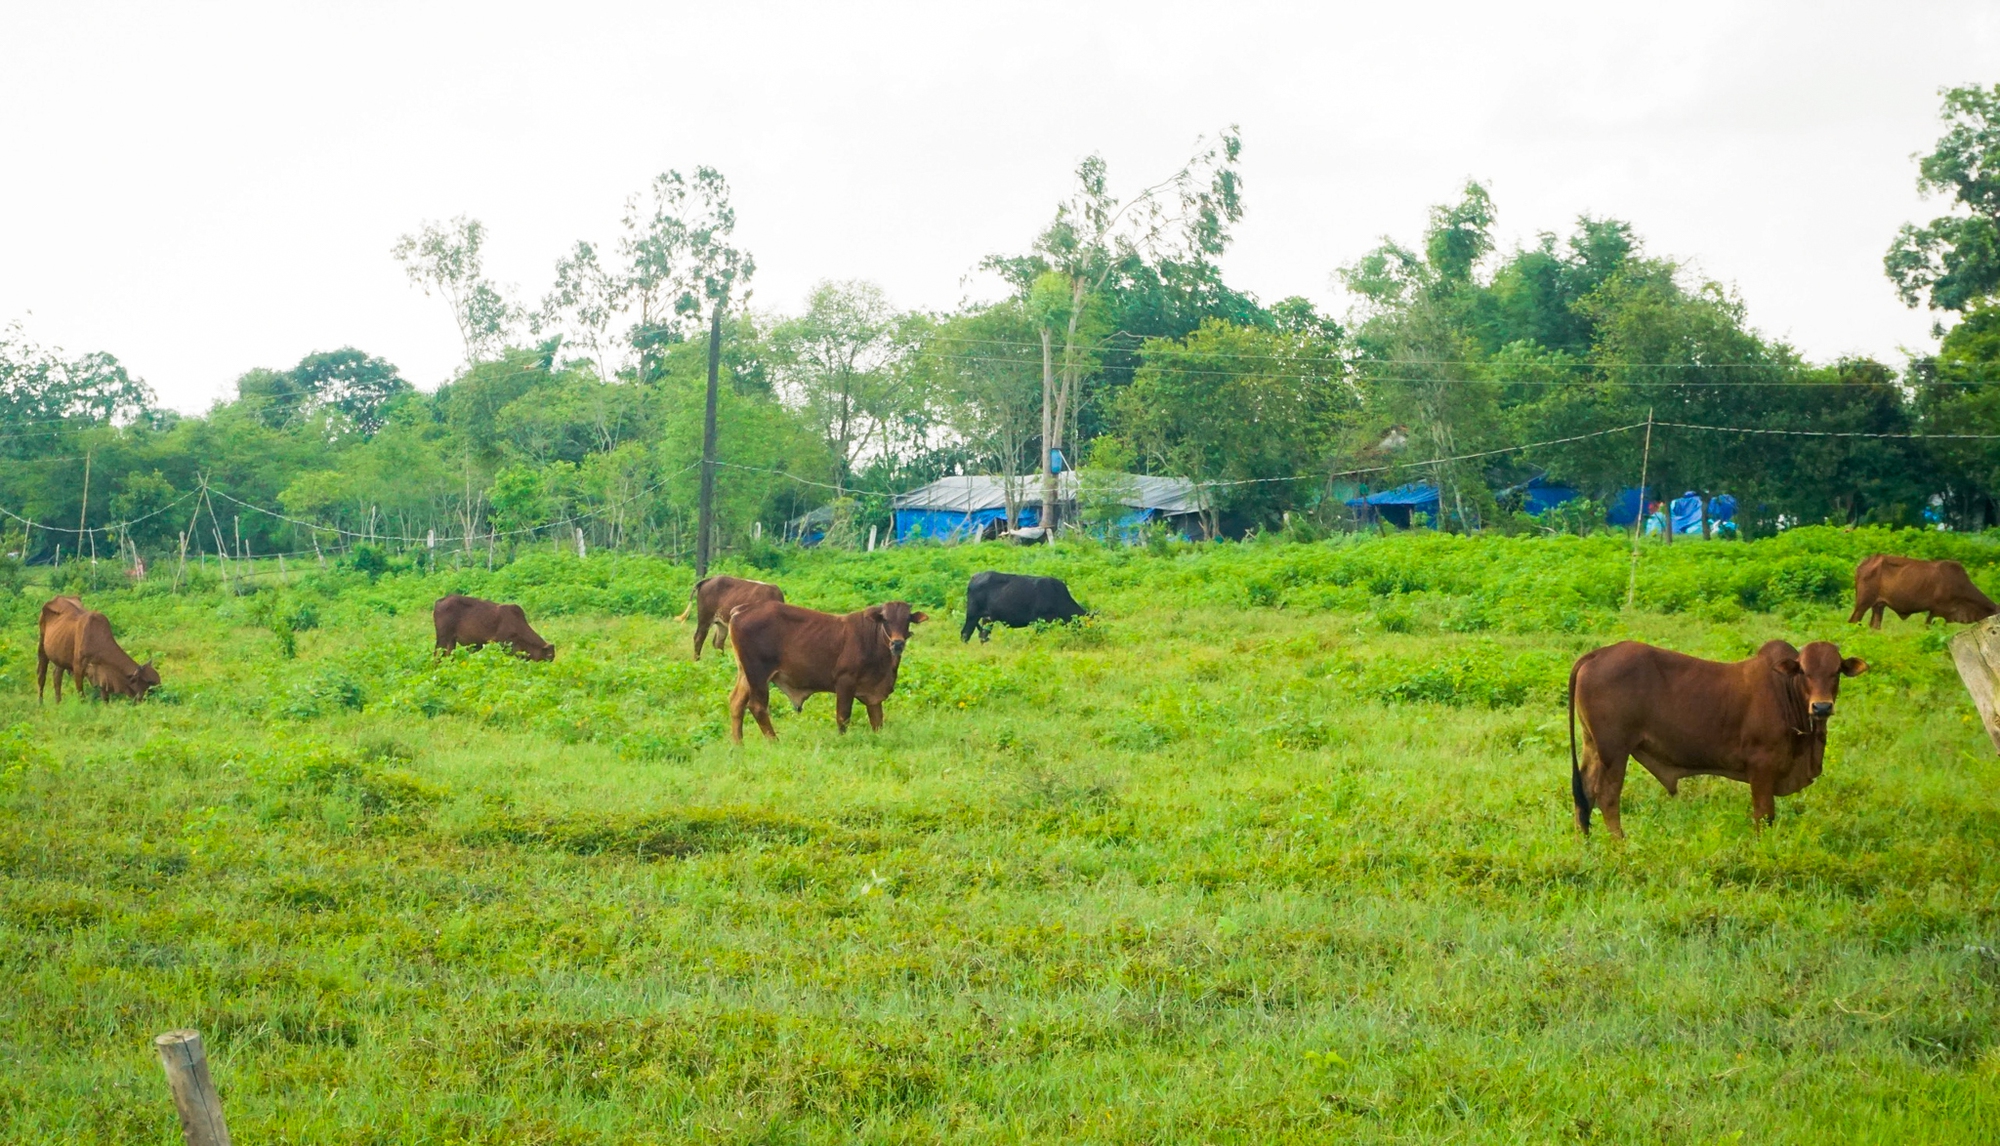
x,y
1276,849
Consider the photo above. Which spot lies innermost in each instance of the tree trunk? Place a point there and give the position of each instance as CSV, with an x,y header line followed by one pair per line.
x,y
704,538
1048,429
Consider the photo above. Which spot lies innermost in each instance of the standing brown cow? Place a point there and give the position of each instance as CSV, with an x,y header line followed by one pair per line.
x,y
78,641
1760,720
803,652
1909,586
715,598
462,620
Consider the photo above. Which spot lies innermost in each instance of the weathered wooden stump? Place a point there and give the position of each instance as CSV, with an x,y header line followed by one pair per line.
x,y
186,1064
1976,652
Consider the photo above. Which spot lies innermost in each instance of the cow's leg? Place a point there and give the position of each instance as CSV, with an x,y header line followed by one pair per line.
x,y
1763,795
1875,619
843,707
59,676
760,707
874,714
701,624
970,626
738,698
42,674
1604,779
985,631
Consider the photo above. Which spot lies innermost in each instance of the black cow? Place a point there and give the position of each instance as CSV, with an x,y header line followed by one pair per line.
x,y
1014,601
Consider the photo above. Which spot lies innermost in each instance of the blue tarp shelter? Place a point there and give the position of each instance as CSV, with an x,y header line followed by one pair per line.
x,y
1684,511
1539,494
965,505
962,506
1396,505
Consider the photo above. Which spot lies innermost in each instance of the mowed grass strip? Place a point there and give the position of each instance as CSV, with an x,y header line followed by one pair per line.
x,y
1277,848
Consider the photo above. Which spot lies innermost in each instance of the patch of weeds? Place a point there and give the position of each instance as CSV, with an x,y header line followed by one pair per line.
x,y
660,835
650,745
331,689
51,910
1300,731
1395,619
1479,675
21,750
160,753
1085,632
1043,788
300,894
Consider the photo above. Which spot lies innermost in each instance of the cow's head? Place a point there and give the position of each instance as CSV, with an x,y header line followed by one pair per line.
x,y
542,652
142,680
1966,610
1815,676
895,620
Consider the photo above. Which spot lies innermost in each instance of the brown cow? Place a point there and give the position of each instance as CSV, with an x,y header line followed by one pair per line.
x,y
78,641
715,598
462,620
1909,586
803,652
1760,720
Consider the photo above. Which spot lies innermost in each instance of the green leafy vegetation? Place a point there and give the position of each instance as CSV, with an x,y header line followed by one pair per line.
x,y
1275,848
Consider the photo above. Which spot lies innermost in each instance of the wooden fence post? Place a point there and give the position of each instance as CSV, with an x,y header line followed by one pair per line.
x,y
194,1091
1976,652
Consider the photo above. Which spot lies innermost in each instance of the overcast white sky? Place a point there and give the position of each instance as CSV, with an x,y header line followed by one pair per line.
x,y
203,188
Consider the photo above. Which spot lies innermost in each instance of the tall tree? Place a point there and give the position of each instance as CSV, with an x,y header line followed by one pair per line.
x,y
839,363
446,260
986,367
1953,262
586,298
1248,412
1182,221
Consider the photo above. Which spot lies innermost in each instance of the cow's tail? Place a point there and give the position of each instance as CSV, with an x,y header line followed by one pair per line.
x,y
694,596
1576,790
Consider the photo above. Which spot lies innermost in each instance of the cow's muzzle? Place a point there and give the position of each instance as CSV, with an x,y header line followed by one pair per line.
x,y
1822,708
896,645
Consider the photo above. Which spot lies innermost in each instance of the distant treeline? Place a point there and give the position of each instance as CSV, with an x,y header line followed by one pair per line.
x,y
1118,342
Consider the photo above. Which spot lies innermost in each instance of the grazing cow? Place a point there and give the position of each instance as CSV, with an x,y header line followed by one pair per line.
x,y
1014,601
1909,586
803,652
462,620
1760,720
78,641
715,598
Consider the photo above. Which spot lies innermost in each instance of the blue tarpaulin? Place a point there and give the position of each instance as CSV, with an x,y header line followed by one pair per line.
x,y
1624,508
1396,505
1539,494
1685,510
941,524
962,506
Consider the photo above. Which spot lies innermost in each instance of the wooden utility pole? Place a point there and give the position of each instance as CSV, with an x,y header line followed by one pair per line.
x,y
186,1065
1639,526
704,537
84,511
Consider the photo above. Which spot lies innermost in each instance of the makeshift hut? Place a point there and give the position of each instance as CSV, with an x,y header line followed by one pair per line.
x,y
965,506
1396,505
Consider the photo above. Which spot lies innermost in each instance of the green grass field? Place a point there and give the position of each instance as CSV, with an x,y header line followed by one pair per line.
x,y
1277,849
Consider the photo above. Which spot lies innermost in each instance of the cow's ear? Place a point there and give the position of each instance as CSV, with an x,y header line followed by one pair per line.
x,y
1789,666
874,612
919,618
1853,666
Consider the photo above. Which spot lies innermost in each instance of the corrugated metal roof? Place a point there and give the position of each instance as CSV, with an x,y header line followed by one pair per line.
x,y
970,493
